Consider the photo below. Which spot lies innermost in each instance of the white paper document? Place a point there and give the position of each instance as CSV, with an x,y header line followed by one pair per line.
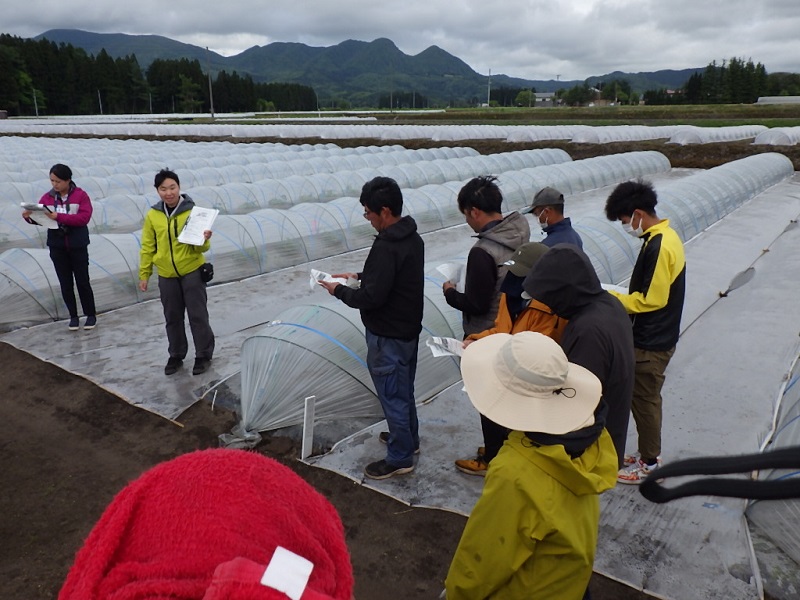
x,y
33,206
39,219
442,346
454,272
610,287
200,220
317,276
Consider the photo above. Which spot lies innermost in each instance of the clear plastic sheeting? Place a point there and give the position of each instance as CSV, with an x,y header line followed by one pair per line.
x,y
707,135
538,133
624,133
779,136
779,518
29,289
121,199
691,204
268,239
320,350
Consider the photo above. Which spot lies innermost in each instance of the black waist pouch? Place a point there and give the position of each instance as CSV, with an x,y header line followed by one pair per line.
x,y
207,272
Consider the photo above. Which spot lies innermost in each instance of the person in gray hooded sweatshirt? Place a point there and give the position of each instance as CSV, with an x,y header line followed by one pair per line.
x,y
598,335
480,202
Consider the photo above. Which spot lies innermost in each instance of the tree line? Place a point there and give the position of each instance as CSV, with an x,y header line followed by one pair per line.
x,y
735,81
45,78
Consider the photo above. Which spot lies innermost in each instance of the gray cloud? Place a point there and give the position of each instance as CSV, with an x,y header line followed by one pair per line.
x,y
533,39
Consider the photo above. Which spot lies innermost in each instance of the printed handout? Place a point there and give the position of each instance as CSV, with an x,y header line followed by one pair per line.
x,y
443,346
200,220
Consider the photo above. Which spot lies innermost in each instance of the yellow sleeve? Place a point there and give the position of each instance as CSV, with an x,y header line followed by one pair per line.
x,y
658,292
148,250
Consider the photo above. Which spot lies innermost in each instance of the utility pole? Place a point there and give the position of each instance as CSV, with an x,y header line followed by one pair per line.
x,y
489,89
100,101
35,104
210,91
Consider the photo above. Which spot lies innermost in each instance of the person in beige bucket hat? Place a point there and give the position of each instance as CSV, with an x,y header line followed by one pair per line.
x,y
533,531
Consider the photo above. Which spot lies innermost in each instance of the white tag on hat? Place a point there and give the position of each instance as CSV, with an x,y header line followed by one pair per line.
x,y
287,572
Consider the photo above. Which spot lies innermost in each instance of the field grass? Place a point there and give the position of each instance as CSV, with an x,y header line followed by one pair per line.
x,y
711,115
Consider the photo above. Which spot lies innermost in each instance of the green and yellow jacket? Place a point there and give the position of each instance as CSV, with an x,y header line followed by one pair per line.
x,y
160,245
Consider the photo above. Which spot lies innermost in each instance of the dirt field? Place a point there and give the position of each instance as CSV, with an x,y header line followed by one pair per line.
x,y
69,446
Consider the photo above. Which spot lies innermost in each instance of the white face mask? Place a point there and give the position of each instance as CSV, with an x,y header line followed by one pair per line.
x,y
542,224
628,228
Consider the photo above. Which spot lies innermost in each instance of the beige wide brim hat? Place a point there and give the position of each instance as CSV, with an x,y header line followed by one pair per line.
x,y
525,382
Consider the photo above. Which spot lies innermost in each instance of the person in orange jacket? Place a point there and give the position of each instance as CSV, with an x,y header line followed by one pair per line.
x,y
515,314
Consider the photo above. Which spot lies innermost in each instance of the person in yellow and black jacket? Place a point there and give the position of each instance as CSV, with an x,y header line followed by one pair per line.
x,y
180,285
655,302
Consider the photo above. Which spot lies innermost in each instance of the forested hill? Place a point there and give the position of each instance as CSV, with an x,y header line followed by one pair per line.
x,y
352,68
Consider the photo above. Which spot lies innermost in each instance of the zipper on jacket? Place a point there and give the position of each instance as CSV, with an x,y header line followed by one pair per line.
x,y
169,233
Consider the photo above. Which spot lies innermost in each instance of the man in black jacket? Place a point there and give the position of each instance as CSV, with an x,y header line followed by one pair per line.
x,y
390,299
598,335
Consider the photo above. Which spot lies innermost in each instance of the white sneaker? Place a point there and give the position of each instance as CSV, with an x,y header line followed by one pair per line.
x,y
636,473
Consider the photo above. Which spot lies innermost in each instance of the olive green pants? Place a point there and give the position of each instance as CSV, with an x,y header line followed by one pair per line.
x,y
646,405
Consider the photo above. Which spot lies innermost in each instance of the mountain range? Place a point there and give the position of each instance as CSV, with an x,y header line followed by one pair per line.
x,y
352,70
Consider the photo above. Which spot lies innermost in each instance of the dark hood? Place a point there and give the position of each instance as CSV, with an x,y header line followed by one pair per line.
x,y
403,228
564,279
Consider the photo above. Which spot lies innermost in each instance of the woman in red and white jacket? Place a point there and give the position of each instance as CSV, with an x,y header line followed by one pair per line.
x,y
70,207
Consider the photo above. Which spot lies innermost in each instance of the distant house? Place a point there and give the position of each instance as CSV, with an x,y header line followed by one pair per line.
x,y
542,99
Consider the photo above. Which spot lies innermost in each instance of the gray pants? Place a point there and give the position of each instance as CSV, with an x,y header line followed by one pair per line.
x,y
181,295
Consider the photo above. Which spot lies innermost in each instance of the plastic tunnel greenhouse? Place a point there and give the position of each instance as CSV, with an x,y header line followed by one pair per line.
x,y
779,136
772,516
624,133
123,211
691,204
269,239
706,135
272,361
320,350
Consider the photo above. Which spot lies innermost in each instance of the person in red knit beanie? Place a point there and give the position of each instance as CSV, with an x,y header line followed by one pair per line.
x,y
215,525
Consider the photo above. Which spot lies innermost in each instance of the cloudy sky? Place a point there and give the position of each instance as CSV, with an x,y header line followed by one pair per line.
x,y
532,39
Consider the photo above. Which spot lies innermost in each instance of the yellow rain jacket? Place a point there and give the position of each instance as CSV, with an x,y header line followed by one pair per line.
x,y
533,533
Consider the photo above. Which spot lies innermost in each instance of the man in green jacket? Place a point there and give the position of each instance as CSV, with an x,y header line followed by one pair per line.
x,y
180,285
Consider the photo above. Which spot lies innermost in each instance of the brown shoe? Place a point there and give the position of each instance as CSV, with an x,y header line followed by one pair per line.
x,y
473,466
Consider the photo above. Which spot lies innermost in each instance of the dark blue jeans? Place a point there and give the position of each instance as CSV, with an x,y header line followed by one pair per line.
x,y
392,364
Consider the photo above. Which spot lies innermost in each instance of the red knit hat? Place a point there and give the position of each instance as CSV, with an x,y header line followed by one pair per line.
x,y
215,525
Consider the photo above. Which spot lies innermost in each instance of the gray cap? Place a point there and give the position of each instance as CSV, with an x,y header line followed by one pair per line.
x,y
547,197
